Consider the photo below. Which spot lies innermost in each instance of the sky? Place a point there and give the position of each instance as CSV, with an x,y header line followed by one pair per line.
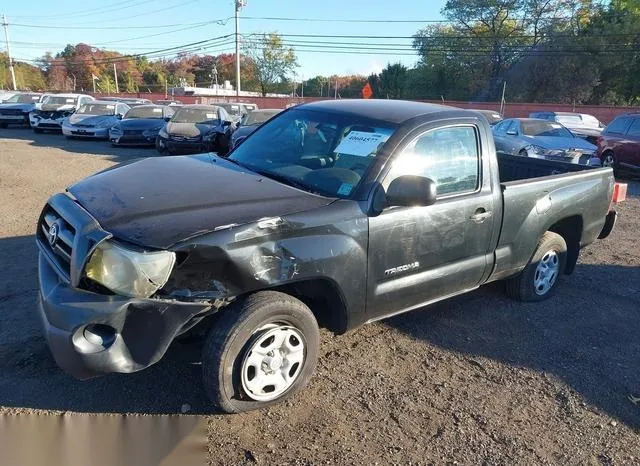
x,y
144,26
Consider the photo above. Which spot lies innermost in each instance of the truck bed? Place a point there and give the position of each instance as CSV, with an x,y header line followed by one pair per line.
x,y
540,195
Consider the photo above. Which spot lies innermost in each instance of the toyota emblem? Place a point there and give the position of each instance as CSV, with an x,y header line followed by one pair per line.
x,y
53,234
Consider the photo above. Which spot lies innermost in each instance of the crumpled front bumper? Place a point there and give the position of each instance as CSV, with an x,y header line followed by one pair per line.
x,y
92,334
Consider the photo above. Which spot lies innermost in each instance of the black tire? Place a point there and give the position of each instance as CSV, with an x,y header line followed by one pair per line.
x,y
234,333
38,130
522,286
523,153
4,125
609,159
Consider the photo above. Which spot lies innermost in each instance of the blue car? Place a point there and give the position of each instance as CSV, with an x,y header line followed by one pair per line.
x,y
140,125
15,110
93,119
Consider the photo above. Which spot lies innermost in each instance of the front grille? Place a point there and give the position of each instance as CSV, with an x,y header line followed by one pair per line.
x,y
184,138
81,125
61,248
132,132
11,111
48,125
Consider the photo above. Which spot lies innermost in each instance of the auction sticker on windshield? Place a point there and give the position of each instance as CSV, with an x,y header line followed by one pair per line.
x,y
360,143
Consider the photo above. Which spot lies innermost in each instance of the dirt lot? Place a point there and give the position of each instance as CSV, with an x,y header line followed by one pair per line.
x,y
479,379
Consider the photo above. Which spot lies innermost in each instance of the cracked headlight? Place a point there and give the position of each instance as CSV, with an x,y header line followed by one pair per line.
x,y
128,272
537,150
163,133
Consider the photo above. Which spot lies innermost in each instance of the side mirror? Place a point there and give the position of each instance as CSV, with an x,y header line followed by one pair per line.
x,y
512,132
227,123
119,116
411,190
167,119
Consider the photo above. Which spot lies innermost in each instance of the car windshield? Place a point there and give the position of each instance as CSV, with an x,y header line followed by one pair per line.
x,y
195,115
59,100
144,112
23,99
97,109
545,128
232,109
317,151
258,117
569,120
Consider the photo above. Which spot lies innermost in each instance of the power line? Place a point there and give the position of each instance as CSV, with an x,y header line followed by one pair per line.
x,y
221,22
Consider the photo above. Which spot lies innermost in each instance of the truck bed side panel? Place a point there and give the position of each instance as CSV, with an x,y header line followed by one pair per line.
x,y
533,206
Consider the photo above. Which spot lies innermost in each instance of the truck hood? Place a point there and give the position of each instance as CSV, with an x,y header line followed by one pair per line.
x,y
558,143
55,107
26,108
157,202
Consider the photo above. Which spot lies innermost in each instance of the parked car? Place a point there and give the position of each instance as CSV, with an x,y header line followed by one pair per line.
x,y
93,119
580,124
4,95
531,137
235,110
130,101
140,125
196,128
168,102
54,108
250,122
411,207
15,110
619,144
492,116
250,107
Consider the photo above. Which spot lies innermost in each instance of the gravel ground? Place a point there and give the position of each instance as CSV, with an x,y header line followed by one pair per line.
x,y
479,379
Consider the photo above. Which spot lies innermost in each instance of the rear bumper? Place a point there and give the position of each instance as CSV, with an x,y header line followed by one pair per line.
x,y
609,223
133,334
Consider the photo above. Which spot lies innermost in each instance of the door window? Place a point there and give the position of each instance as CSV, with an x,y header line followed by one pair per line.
x,y
634,129
618,126
449,156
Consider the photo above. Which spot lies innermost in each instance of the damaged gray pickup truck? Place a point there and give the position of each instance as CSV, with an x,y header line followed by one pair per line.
x,y
332,214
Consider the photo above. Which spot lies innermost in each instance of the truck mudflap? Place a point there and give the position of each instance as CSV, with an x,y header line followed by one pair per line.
x,y
609,223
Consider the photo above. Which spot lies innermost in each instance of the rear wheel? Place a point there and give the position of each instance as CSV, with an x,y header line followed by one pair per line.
x,y
539,279
523,153
261,350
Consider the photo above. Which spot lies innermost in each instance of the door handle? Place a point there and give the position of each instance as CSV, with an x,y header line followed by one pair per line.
x,y
481,215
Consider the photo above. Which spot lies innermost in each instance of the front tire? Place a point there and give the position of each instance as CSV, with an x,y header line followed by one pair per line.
x,y
609,159
263,349
539,279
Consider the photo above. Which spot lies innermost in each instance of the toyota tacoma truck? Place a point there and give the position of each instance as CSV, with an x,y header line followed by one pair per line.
x,y
333,214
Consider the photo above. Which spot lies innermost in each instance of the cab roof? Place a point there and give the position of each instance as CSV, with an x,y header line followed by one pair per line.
x,y
391,111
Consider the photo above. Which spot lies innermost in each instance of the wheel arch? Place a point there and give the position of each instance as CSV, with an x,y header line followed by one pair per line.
x,y
570,228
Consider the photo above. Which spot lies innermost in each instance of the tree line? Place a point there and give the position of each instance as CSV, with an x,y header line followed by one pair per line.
x,y
560,51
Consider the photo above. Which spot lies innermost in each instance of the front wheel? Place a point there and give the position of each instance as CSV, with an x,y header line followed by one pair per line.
x,y
539,279
261,350
609,159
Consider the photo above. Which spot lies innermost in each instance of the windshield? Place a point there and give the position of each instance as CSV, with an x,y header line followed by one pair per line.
x,y
318,151
258,117
23,99
58,100
97,109
195,115
232,109
545,128
569,120
144,112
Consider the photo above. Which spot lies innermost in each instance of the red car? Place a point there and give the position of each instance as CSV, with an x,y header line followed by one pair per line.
x,y
619,144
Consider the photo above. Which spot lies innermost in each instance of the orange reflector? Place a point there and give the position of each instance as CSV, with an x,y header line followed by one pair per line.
x,y
619,192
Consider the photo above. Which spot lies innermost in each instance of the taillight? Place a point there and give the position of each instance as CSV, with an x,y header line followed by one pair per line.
x,y
619,193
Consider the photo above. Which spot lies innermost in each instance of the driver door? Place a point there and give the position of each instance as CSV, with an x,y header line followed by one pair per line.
x,y
421,254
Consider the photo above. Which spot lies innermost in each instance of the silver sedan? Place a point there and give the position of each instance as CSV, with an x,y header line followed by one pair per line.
x,y
530,137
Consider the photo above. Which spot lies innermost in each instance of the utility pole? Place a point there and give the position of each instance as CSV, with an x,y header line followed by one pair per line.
x,y
239,5
115,75
504,89
6,38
